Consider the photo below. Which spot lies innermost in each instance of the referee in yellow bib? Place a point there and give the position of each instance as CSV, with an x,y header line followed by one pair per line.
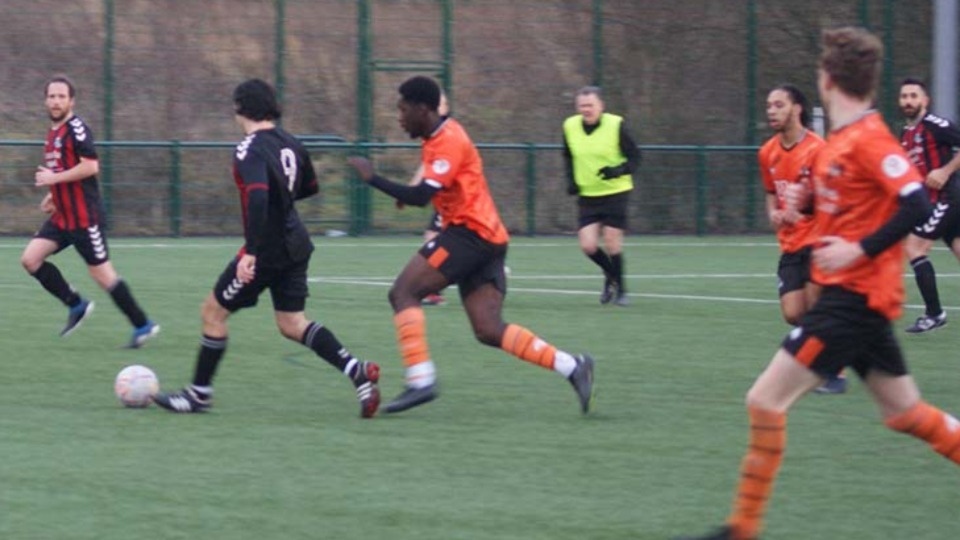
x,y
601,158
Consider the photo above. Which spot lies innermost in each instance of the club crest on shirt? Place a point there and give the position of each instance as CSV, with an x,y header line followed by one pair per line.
x,y
440,166
894,166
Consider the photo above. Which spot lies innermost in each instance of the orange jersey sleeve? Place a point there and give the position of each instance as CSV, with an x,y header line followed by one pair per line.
x,y
452,163
858,177
780,167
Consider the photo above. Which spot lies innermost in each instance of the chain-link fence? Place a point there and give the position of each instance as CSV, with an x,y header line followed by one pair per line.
x,y
682,72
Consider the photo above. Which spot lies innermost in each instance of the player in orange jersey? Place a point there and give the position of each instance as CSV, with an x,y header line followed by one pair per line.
x,y
786,160
867,197
469,251
435,224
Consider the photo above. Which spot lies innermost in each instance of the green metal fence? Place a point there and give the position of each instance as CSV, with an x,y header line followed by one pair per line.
x,y
184,188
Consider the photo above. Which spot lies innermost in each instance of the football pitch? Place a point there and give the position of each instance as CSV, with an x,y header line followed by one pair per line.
x,y
504,453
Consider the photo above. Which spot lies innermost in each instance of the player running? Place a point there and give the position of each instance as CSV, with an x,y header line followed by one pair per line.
x,y
469,251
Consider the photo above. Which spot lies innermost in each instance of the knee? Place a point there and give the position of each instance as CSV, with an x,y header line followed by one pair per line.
x,y
489,334
402,297
30,264
210,312
291,331
754,399
393,296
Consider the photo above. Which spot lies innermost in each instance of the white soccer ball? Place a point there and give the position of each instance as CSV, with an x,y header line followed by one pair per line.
x,y
136,385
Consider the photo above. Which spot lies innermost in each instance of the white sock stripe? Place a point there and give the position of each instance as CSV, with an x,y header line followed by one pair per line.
x,y
349,367
312,332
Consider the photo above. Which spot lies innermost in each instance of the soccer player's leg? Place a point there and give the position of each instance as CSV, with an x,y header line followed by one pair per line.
x,y
917,246
48,241
613,241
91,244
289,292
228,296
482,292
614,220
901,404
809,353
420,277
588,234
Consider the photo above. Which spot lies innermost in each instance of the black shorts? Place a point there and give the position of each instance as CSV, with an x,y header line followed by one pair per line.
x,y
609,210
288,287
793,271
944,220
466,259
841,331
436,223
90,243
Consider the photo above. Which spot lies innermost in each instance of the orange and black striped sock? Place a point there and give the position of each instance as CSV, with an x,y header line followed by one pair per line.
x,y
768,440
525,345
939,429
411,326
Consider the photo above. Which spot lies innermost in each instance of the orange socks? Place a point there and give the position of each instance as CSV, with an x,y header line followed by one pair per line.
x,y
411,329
523,344
924,421
768,439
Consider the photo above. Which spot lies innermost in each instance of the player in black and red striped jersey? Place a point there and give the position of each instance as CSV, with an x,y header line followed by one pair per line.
x,y
932,143
76,217
272,170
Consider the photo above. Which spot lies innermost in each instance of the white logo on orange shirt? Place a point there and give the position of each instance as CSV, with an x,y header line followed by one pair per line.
x,y
440,166
895,166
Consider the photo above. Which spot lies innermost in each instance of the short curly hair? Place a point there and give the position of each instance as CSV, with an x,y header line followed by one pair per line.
x,y
256,100
422,90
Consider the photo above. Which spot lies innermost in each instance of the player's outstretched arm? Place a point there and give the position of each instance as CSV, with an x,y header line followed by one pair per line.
x,y
418,195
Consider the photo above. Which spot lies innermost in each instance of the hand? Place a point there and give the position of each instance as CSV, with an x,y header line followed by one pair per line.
x,y
791,216
47,206
44,177
573,189
936,179
247,268
776,219
833,253
362,166
797,196
609,173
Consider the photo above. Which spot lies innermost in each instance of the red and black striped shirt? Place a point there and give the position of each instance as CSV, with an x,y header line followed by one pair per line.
x,y
930,144
78,202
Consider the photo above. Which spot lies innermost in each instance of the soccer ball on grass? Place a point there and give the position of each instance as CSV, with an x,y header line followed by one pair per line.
x,y
136,385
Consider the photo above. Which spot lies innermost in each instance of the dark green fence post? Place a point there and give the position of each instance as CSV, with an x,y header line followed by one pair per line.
x,y
531,189
598,42
355,197
751,138
175,194
360,198
446,33
106,157
280,48
701,191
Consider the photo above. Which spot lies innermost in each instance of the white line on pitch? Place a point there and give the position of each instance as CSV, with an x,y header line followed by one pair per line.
x,y
567,292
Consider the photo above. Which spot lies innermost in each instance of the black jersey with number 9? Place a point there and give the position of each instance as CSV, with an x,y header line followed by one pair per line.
x,y
274,161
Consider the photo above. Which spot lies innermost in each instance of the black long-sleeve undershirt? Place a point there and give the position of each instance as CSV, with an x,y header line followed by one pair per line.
x,y
914,208
417,195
